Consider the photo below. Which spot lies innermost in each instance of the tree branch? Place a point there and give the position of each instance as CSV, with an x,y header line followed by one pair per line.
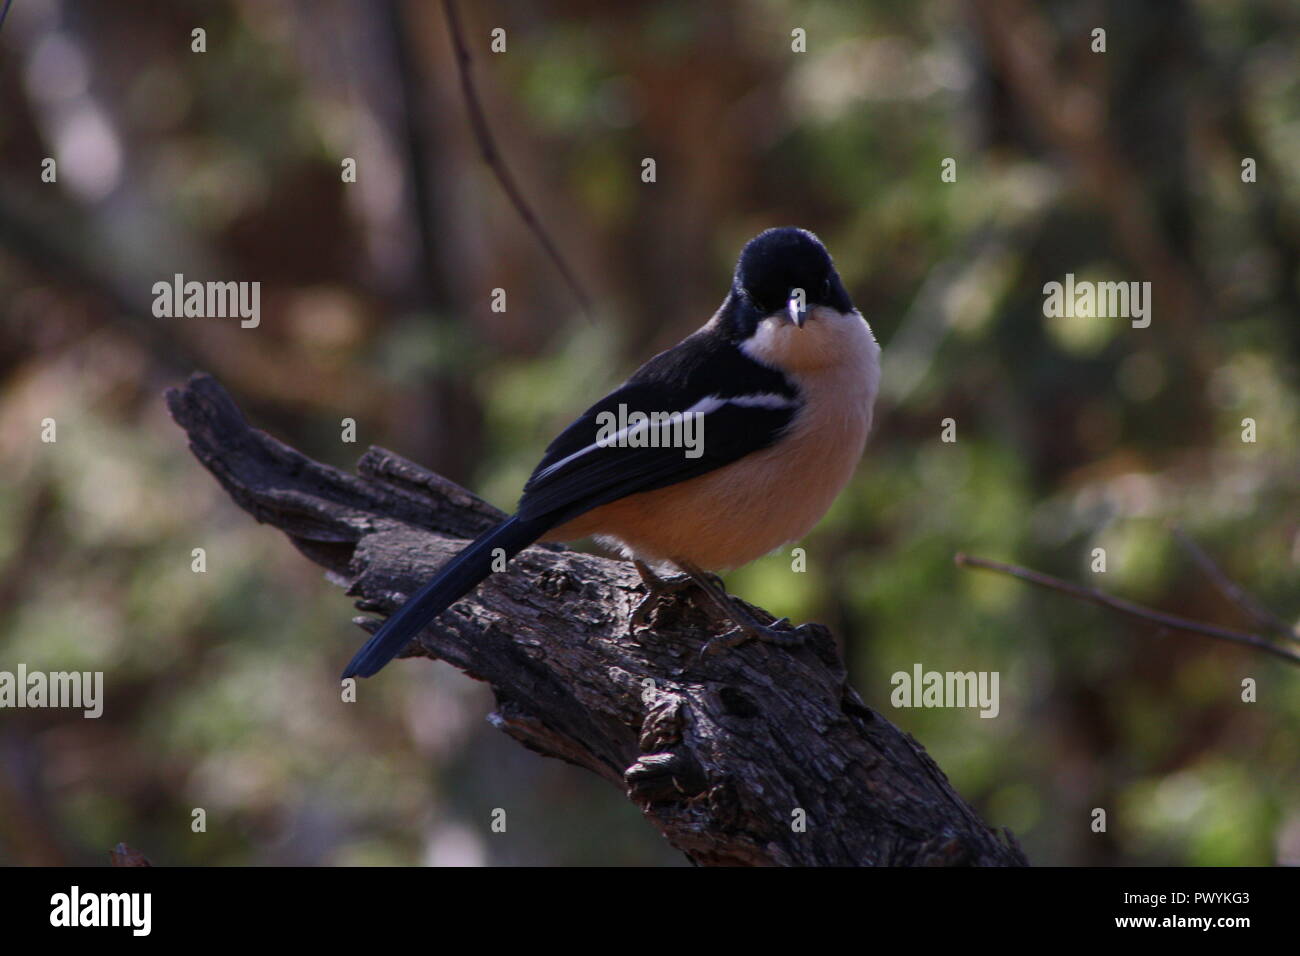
x,y
719,753
496,162
1233,591
1099,597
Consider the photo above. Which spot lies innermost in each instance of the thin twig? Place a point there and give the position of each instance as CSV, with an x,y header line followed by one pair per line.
x,y
1103,599
1231,590
492,156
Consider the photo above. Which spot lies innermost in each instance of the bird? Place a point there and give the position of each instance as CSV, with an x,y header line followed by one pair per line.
x,y
780,383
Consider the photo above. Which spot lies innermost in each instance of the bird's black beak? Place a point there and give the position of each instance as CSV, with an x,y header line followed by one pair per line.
x,y
793,309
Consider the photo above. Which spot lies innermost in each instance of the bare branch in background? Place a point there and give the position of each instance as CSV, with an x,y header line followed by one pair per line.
x,y
1101,598
492,156
1233,591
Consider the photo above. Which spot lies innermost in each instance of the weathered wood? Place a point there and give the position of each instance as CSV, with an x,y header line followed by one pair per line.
x,y
719,752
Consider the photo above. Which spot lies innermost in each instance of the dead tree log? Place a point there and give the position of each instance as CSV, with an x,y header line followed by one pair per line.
x,y
726,754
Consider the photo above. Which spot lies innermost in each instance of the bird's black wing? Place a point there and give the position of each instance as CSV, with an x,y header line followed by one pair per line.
x,y
747,406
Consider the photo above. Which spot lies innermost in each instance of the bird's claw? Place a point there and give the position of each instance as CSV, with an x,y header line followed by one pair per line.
x,y
658,589
779,633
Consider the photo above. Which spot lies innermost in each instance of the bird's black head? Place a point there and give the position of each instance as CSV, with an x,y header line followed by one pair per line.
x,y
775,265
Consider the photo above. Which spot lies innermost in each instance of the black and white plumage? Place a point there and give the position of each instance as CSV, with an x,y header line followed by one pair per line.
x,y
782,379
744,406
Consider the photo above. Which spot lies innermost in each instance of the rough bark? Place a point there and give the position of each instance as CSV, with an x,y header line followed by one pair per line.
x,y
720,752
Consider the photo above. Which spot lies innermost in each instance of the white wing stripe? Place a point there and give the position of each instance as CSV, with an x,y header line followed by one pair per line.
x,y
704,406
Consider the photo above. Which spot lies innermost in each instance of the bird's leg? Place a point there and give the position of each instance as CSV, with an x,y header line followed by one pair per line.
x,y
657,589
747,629
657,585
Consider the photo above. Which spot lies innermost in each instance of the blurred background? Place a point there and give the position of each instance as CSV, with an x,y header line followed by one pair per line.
x,y
1072,433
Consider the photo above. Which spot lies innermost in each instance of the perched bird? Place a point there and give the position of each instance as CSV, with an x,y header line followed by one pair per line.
x,y
781,382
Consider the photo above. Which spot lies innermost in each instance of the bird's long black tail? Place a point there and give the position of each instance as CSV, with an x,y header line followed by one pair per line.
x,y
448,586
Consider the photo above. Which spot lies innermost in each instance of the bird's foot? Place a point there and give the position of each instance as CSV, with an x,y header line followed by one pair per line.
x,y
745,628
780,633
658,589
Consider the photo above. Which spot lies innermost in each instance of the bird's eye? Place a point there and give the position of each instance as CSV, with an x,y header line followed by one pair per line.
x,y
826,290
